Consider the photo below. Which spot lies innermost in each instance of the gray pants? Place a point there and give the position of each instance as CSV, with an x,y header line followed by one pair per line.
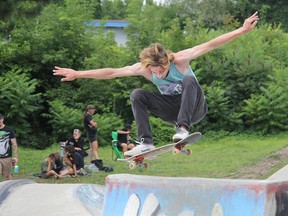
x,y
188,108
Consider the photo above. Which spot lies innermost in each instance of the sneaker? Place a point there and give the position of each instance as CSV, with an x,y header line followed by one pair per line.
x,y
181,134
139,149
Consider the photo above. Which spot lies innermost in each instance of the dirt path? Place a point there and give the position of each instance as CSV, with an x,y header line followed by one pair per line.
x,y
264,168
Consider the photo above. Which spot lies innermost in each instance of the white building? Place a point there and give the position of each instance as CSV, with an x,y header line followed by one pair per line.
x,y
116,26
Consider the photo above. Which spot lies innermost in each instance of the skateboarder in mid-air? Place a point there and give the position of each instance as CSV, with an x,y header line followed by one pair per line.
x,y
181,100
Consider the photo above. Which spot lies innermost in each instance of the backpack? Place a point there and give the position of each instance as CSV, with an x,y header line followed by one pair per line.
x,y
98,163
91,168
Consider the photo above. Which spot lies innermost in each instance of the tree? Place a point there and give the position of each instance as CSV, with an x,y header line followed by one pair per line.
x,y
267,111
219,115
57,36
113,9
21,104
98,10
7,8
272,12
63,120
49,33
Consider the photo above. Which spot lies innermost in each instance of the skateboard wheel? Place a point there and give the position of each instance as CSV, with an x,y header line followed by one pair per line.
x,y
132,165
189,152
175,151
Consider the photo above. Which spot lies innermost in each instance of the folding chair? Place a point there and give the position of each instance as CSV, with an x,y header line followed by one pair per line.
x,y
115,148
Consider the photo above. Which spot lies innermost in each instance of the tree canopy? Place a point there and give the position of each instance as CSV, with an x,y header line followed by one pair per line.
x,y
245,81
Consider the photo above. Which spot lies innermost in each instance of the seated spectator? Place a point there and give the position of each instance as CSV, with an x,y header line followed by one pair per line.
x,y
59,166
73,160
124,138
47,167
78,142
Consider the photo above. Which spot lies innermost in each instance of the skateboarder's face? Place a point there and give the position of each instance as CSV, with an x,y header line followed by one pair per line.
x,y
159,71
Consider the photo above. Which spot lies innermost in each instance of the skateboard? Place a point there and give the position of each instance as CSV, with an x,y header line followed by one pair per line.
x,y
176,148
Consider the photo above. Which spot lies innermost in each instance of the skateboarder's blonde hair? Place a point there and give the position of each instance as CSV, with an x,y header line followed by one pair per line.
x,y
155,55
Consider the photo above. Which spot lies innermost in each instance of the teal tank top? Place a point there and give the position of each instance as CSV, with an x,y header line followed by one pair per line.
x,y
172,84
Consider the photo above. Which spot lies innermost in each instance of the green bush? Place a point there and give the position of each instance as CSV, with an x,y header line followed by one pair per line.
x,y
107,123
63,120
20,104
267,112
162,131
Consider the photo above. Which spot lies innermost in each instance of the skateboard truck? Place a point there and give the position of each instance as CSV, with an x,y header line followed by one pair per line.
x,y
138,162
180,149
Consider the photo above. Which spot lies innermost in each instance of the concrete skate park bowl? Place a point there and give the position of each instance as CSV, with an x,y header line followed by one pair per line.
x,y
132,195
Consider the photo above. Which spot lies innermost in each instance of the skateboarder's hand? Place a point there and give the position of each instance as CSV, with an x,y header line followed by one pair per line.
x,y
251,22
67,73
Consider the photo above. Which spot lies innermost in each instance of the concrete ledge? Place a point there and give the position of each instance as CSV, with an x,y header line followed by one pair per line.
x,y
7,187
137,195
280,175
51,199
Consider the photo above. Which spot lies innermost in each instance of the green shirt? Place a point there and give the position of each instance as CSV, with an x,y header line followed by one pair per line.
x,y
172,83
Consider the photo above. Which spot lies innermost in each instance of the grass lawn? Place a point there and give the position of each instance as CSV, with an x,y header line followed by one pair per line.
x,y
212,158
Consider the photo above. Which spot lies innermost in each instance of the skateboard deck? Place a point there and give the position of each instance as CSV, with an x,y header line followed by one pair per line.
x,y
176,148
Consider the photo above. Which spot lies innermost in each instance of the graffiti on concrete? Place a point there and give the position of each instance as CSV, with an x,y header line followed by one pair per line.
x,y
151,207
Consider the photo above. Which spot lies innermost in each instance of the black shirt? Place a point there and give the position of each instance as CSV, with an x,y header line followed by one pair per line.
x,y
76,159
79,143
123,138
6,134
89,128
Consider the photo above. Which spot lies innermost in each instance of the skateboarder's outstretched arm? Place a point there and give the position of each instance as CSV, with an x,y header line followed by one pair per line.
x,y
199,50
102,73
181,58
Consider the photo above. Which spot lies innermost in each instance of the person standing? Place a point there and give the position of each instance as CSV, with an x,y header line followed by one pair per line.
x,y
91,128
7,141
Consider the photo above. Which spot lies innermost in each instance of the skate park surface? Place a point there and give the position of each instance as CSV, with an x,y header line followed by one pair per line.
x,y
130,195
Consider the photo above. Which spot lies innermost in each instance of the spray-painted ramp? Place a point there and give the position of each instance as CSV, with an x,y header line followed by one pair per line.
x,y
147,195
137,195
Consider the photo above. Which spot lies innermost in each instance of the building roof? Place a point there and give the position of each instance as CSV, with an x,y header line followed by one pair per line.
x,y
109,23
